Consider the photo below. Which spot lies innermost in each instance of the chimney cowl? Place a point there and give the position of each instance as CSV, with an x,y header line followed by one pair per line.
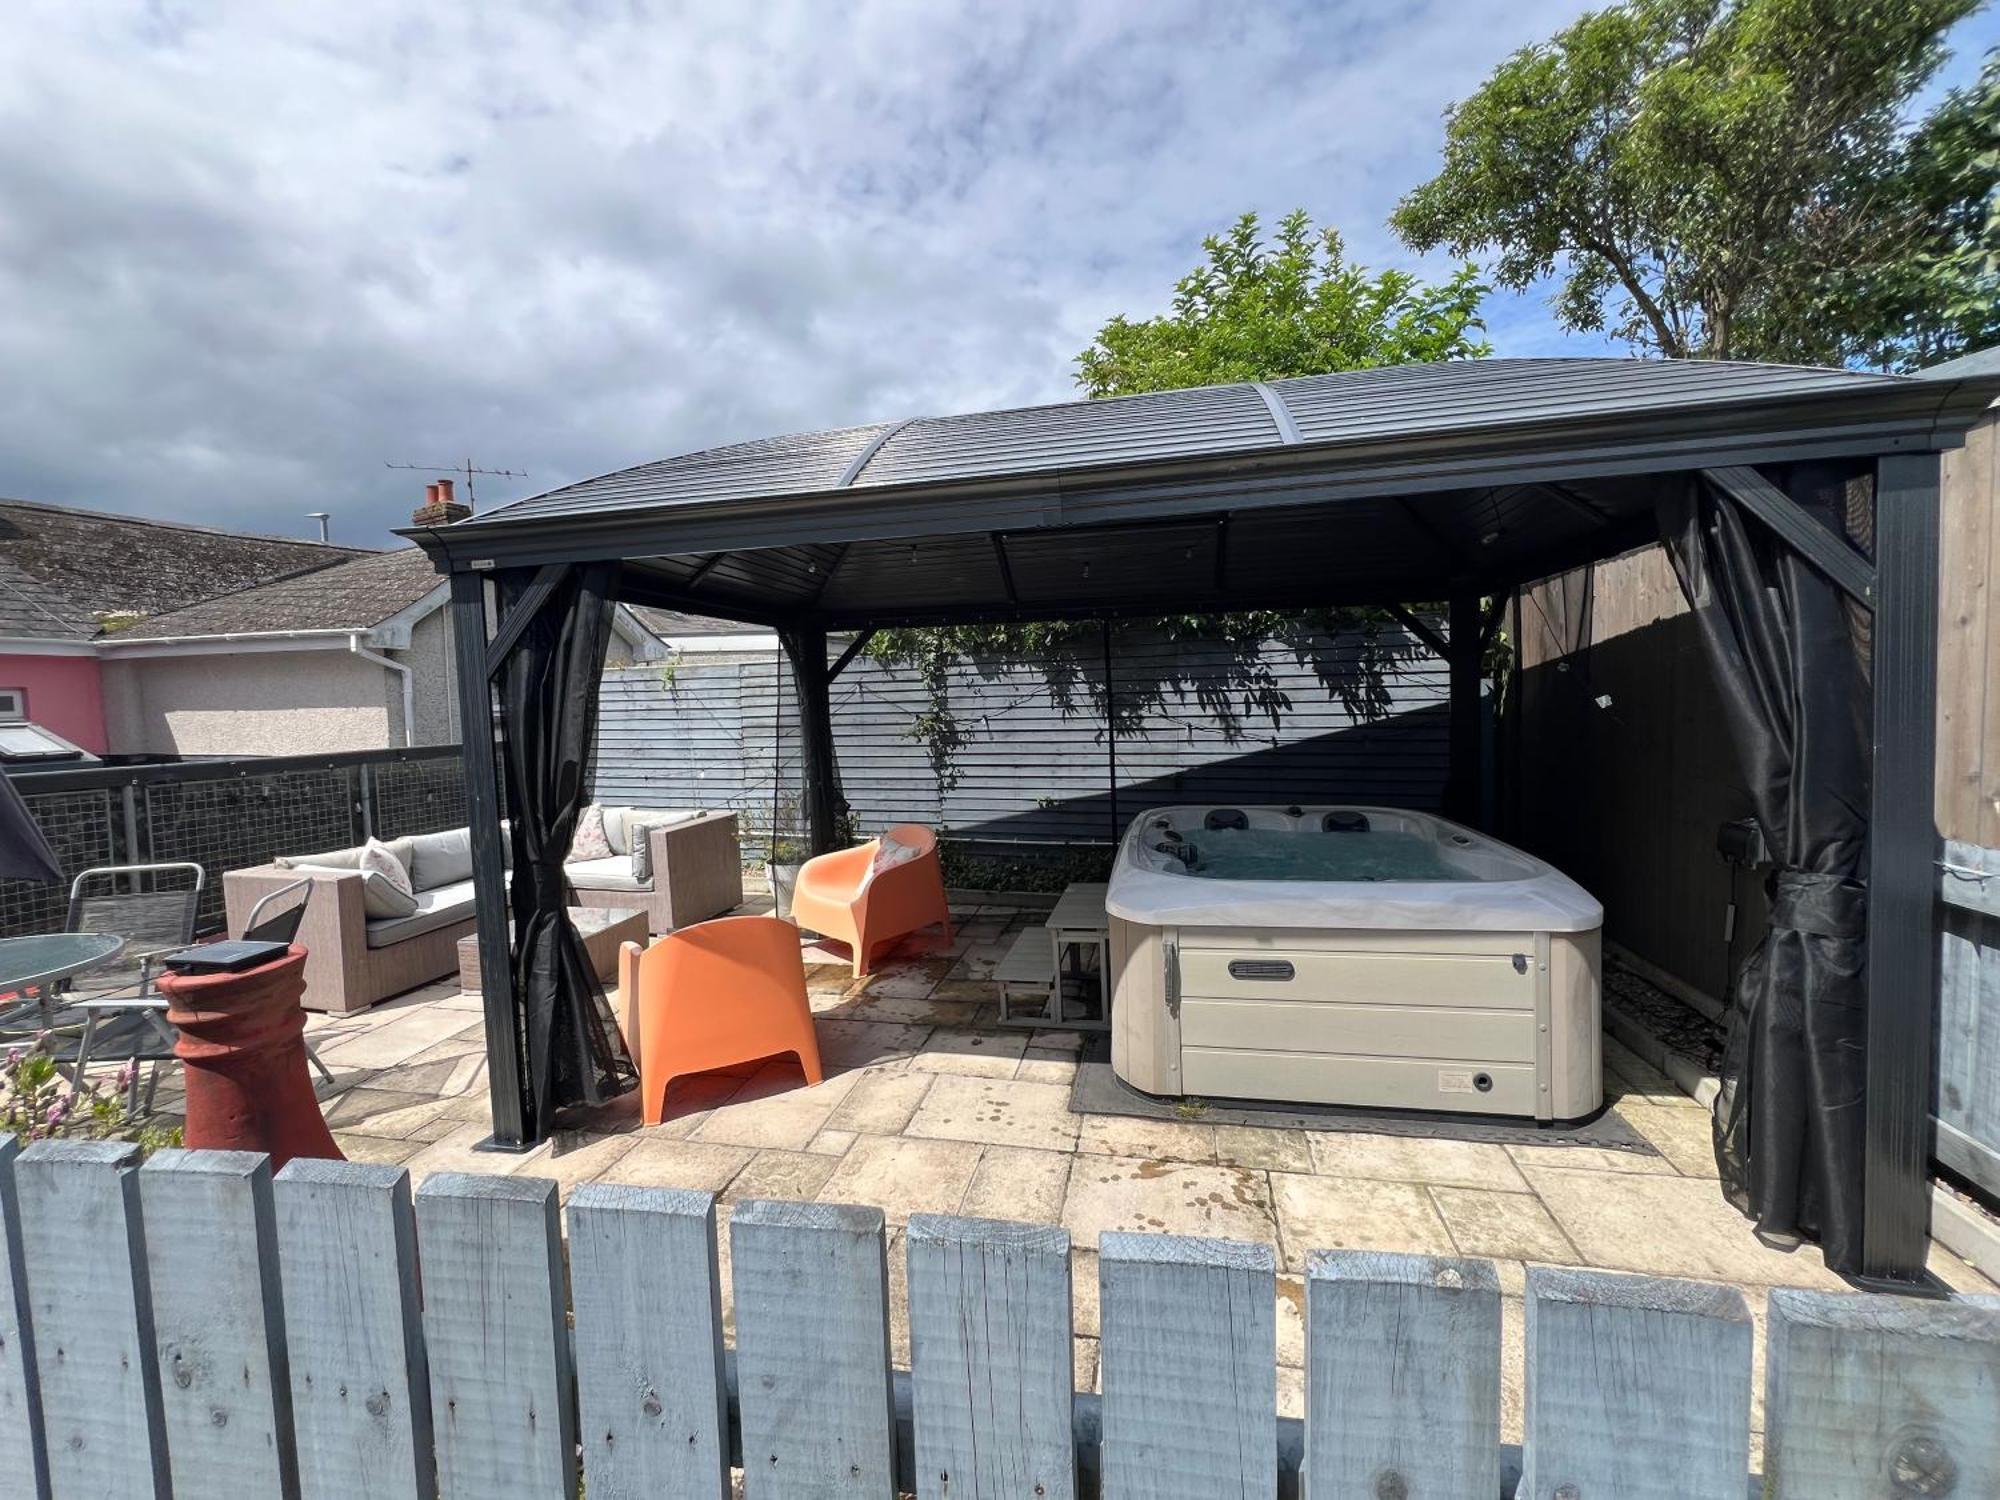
x,y
439,508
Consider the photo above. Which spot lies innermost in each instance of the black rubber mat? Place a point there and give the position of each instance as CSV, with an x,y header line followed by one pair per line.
x,y
1099,1091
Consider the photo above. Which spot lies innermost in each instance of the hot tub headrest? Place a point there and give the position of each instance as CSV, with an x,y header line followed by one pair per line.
x,y
1225,817
1344,822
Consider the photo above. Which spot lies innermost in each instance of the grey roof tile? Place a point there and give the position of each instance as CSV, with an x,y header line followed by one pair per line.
x,y
355,594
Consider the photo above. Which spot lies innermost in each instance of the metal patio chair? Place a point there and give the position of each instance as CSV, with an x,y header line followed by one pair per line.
x,y
145,1012
153,908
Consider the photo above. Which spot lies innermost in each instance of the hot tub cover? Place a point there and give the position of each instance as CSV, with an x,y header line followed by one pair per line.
x,y
1505,890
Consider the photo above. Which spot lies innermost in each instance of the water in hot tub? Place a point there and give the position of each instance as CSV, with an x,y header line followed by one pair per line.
x,y
1282,854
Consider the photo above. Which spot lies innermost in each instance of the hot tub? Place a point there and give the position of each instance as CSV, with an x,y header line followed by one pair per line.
x,y
1351,955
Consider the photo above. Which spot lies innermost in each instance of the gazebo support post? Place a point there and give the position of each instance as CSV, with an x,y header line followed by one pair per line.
x,y
1902,870
505,1072
806,646
1465,647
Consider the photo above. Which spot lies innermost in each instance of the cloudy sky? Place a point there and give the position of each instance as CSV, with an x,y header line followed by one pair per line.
x,y
251,252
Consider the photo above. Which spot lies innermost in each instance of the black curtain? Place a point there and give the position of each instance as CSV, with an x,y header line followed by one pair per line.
x,y
548,695
24,851
1791,660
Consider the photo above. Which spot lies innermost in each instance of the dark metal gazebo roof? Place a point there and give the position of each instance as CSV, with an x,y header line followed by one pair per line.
x,y
1362,486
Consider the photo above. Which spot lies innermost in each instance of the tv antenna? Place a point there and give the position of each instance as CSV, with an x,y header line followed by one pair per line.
x,y
467,469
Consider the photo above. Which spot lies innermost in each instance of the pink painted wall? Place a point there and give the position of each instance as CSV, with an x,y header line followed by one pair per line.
x,y
65,693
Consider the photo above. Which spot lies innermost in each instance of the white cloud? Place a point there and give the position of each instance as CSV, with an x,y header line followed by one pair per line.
x,y
249,252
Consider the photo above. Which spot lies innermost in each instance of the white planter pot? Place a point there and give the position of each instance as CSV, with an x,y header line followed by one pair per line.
x,y
783,878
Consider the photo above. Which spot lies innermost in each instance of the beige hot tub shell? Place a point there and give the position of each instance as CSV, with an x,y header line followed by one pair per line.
x,y
1490,1022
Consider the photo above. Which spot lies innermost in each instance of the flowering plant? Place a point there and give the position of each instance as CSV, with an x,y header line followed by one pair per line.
x,y
37,1103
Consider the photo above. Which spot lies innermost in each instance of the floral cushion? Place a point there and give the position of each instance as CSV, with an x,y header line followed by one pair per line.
x,y
590,841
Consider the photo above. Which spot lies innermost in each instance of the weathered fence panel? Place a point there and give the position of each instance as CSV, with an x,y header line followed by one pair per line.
x,y
1635,1388
812,1351
85,1255
1189,1353
1871,1396
1968,1018
21,1452
361,1398
650,1384
990,1359
218,1322
1402,1376
495,1332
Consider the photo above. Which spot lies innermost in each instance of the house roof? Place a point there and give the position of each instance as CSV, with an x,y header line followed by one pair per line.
x,y
356,593
674,622
61,568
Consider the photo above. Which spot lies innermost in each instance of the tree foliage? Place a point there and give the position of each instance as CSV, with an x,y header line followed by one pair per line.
x,y
1707,176
1295,306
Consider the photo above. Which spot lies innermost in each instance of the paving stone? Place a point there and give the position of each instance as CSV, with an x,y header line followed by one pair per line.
x,y
1291,1320
1083,1302
1052,1039
903,1177
979,1054
1591,1159
1040,1066
908,1010
774,1108
1352,1213
960,991
1291,1391
998,1111
880,1103
1509,1225
1396,1158
909,979
397,1040
1084,1363
383,1112
576,1157
845,1045
1167,1140
653,1162
371,1148
1013,1183
1669,1226
1958,1274
455,1153
1117,1192
831,1142
1263,1149
1686,1137
792,1175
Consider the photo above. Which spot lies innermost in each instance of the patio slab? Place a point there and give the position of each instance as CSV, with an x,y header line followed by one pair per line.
x,y
996,1111
903,1176
1012,1183
1399,1158
1166,1197
1342,1213
1502,1226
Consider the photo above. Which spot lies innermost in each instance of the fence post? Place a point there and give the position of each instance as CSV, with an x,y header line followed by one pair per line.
x,y
648,1301
812,1350
361,1398
84,1251
21,1451
1871,1396
1402,1375
496,1333
1637,1388
1190,1367
218,1323
991,1368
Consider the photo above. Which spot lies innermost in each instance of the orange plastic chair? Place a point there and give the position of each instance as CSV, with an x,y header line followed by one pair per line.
x,y
837,896
727,991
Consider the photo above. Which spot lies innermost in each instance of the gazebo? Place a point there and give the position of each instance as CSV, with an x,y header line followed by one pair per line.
x,y
1801,506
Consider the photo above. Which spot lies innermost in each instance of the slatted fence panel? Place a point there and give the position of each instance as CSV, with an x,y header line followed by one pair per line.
x,y
1635,1388
21,1452
218,1323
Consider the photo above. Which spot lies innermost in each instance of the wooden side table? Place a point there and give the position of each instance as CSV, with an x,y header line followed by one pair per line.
x,y
605,929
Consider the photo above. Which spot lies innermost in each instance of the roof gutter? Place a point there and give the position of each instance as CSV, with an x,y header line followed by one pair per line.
x,y
234,640
402,670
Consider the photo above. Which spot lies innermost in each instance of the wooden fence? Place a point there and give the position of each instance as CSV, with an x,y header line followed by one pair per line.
x,y
195,1327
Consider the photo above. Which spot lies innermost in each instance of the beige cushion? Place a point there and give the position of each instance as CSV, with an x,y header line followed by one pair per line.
x,y
345,859
618,822
612,873
442,858
379,897
430,910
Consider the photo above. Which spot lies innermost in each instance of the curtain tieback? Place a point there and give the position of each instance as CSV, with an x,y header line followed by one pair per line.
x,y
1829,906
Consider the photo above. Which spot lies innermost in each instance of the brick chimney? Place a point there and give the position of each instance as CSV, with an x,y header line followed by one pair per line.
x,y
439,508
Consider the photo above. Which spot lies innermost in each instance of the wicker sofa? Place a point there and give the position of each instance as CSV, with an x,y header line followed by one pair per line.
x,y
356,960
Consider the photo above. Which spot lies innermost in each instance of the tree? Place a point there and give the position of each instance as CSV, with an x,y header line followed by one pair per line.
x,y
1257,311
1934,291
1704,174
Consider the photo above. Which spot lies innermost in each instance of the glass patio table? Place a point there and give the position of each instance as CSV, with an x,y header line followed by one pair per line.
x,y
31,968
